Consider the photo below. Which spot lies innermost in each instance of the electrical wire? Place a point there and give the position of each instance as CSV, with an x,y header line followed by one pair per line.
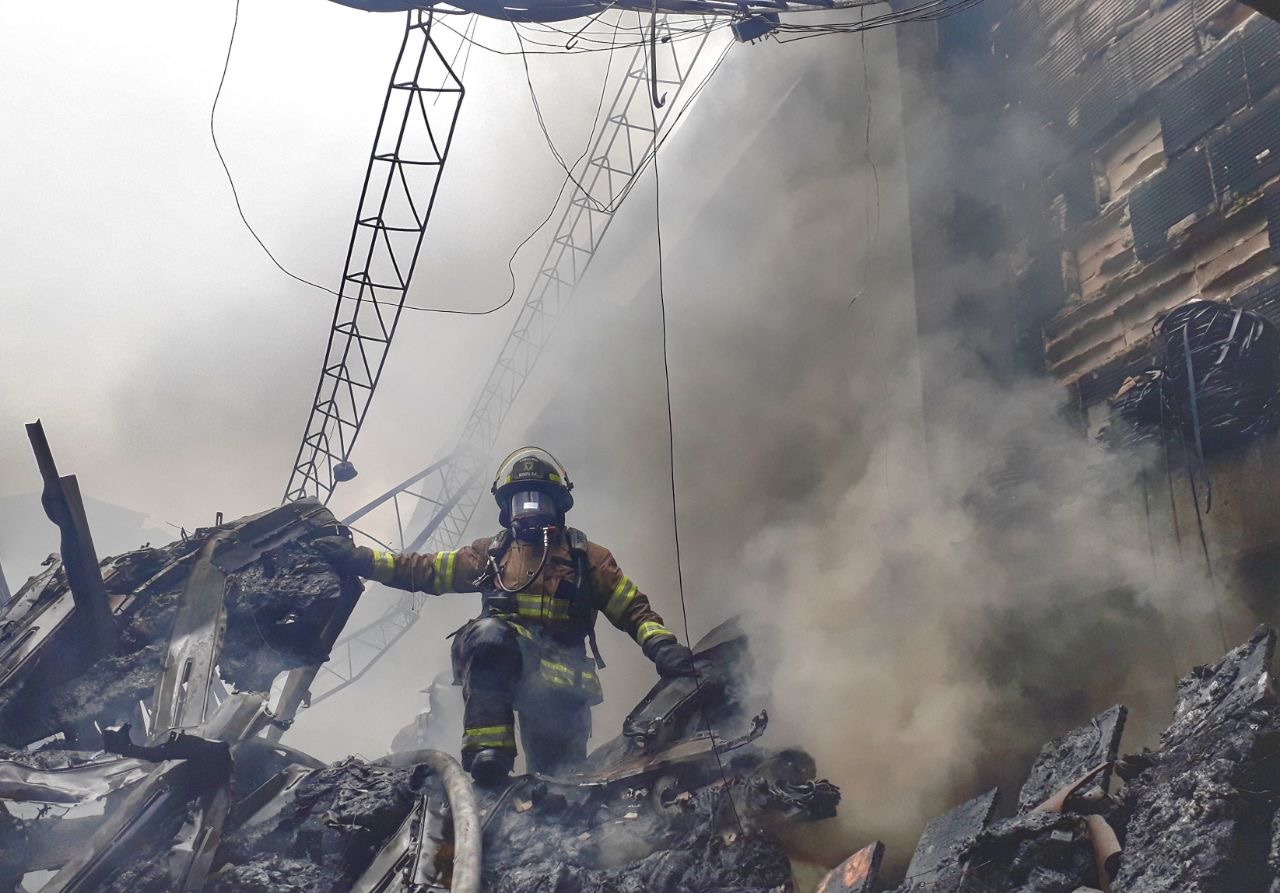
x,y
404,306
542,125
671,463
235,193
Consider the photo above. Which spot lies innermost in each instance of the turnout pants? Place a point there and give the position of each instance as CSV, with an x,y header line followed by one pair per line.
x,y
499,669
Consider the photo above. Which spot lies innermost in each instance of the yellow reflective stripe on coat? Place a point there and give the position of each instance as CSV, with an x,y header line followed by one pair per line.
x,y
384,566
443,565
649,629
623,594
542,606
489,736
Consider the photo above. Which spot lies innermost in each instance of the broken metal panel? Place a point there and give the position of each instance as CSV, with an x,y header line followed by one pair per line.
x,y
161,799
1199,100
1068,756
1246,153
857,874
68,784
1184,188
945,840
182,696
1262,62
947,836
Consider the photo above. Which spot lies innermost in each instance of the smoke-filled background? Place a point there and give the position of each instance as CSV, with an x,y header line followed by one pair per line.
x,y
922,624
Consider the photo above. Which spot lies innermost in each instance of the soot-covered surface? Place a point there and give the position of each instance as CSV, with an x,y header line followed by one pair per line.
x,y
1199,815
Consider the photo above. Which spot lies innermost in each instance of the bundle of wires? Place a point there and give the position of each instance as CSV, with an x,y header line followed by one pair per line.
x,y
1135,411
925,11
1220,367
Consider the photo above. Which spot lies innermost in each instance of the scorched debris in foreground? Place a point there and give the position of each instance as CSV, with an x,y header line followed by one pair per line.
x,y
150,767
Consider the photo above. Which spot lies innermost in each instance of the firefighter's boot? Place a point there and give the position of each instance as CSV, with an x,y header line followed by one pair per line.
x,y
488,655
491,765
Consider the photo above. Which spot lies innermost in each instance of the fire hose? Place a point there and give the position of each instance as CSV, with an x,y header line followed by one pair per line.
x,y
462,806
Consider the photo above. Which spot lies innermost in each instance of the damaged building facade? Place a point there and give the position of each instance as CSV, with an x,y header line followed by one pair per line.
x,y
1121,162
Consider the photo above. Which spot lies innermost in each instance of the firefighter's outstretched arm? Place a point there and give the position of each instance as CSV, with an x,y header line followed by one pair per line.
x,y
627,608
430,572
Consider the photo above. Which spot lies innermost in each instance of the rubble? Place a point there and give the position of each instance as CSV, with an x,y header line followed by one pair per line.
x,y
1199,815
149,767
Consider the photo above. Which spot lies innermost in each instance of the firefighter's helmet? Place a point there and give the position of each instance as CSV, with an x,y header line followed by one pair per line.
x,y
531,469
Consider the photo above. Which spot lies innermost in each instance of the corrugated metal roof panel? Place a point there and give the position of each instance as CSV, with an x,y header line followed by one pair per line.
x,y
1262,298
1207,9
1261,41
1101,98
1053,10
1098,385
1175,193
1160,46
1195,102
1246,153
1099,19
1063,59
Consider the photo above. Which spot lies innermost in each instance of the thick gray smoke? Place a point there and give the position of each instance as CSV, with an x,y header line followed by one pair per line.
x,y
922,627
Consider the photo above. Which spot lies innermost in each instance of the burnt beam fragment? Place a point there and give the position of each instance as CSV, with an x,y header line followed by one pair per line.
x,y
857,874
62,503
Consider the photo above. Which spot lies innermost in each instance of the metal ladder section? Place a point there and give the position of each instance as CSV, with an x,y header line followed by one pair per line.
x,y
453,486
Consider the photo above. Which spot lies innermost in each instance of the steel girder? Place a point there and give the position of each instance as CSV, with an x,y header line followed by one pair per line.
x,y
621,151
409,153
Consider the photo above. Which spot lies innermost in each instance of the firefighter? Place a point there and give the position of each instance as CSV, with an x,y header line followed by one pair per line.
x,y
543,584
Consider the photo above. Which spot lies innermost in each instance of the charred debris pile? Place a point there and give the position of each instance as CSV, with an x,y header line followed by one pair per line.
x,y
1198,815
140,751
142,699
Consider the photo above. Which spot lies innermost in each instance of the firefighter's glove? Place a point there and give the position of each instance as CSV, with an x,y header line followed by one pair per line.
x,y
345,556
672,659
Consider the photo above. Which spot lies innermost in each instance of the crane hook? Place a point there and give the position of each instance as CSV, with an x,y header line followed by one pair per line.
x,y
658,101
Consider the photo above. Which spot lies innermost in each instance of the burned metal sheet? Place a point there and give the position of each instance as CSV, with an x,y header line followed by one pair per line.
x,y
1157,48
1246,153
1184,188
182,697
1197,101
71,784
1262,62
1262,298
947,836
1070,755
857,874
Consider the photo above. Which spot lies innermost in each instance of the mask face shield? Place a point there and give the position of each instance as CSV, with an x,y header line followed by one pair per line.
x,y
532,509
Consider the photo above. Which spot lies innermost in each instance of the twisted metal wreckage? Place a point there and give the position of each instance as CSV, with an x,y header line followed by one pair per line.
x,y
139,723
